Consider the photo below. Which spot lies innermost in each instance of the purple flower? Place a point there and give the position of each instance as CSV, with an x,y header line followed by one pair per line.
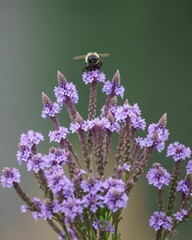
x,y
93,201
37,162
59,134
158,176
115,199
24,208
180,215
178,151
23,154
46,210
105,124
133,113
88,125
112,109
92,185
160,220
156,137
126,167
65,92
58,182
113,88
89,77
74,127
184,187
9,177
101,123
104,226
31,138
57,156
189,167
114,182
50,110
71,207
38,204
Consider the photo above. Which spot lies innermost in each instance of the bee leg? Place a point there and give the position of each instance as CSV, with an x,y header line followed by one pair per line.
x,y
99,65
86,67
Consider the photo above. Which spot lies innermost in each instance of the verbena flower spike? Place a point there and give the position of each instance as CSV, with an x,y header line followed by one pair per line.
x,y
79,200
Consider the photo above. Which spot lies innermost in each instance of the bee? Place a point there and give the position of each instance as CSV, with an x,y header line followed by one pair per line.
x,y
92,60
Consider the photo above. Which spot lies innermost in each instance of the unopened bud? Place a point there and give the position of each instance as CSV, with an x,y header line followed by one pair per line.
x,y
163,120
126,102
110,116
78,117
45,99
60,77
116,77
114,101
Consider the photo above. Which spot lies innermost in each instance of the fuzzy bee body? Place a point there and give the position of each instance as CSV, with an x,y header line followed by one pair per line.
x,y
92,61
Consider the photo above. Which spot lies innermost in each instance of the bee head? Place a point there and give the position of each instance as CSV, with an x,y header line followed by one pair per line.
x,y
92,58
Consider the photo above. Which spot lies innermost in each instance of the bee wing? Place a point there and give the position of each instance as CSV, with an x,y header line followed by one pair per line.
x,y
79,57
104,54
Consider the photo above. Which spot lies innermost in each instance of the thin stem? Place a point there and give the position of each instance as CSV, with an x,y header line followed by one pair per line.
x,y
56,229
92,100
172,190
160,199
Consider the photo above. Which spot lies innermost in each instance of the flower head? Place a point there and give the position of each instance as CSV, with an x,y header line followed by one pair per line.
x,y
58,182
115,199
113,88
178,151
37,162
57,156
160,219
156,137
58,135
96,75
9,177
184,187
31,138
158,176
23,154
189,167
180,215
131,112
71,207
49,109
65,92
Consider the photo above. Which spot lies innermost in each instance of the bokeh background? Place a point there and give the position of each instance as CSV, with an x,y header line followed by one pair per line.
x,y
149,41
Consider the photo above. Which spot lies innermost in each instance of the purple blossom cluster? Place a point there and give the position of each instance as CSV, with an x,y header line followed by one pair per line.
x,y
160,220
79,201
156,137
180,215
189,167
9,177
58,135
96,75
65,92
133,113
102,123
158,176
111,88
178,151
49,109
27,145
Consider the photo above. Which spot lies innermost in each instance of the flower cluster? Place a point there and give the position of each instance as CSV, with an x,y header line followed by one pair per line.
x,y
79,201
165,221
158,176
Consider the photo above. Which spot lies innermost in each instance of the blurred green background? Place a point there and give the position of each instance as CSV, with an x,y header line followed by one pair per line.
x,y
150,42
